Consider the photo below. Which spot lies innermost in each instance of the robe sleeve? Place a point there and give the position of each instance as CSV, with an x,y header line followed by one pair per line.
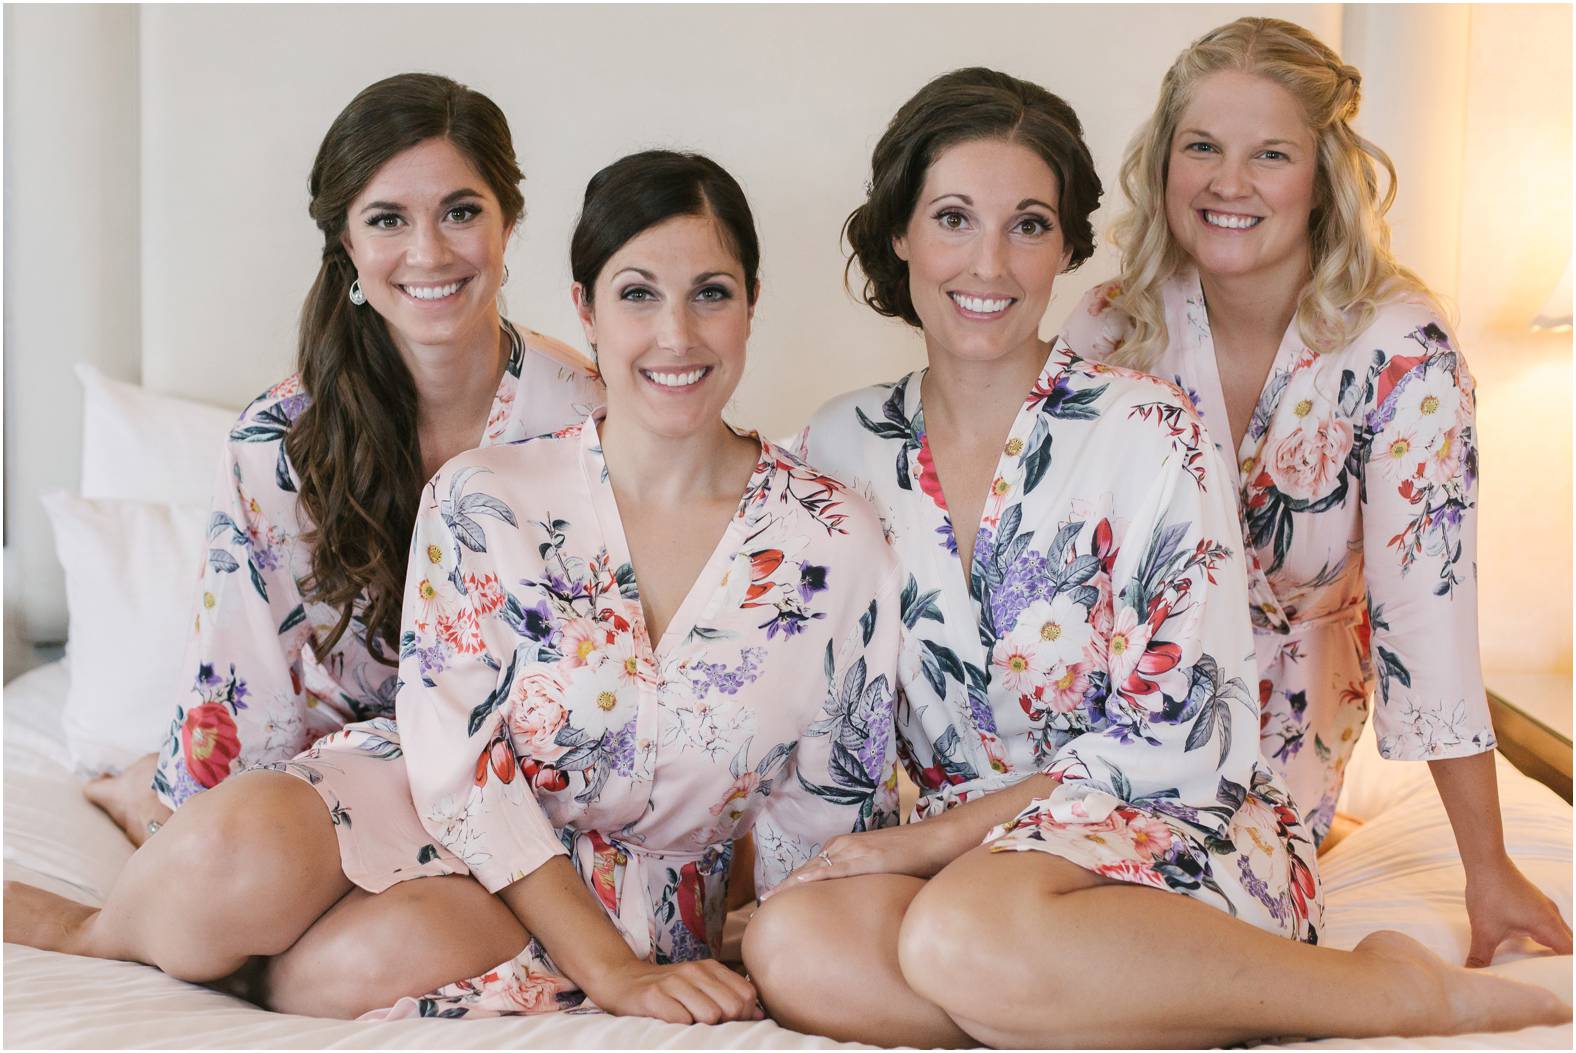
x,y
1419,536
246,704
1095,330
842,778
1163,748
461,670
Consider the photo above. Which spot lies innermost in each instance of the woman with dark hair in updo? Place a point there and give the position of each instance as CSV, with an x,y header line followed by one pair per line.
x,y
404,361
1099,856
624,645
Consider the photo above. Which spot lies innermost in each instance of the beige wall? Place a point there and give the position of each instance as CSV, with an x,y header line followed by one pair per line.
x,y
72,215
225,107
1515,243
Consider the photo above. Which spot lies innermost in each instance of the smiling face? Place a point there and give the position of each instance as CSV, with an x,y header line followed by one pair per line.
x,y
983,248
669,317
426,235
1240,185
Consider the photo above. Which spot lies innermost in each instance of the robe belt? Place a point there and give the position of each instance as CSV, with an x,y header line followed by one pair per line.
x,y
1341,617
633,913
948,797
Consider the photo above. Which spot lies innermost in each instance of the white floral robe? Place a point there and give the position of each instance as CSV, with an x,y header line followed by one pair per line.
x,y
257,692
1099,636
1358,482
537,718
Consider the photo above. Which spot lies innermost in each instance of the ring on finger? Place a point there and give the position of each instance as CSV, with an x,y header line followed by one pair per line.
x,y
826,858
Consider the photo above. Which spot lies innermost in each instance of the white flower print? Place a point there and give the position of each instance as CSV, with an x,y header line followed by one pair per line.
x,y
1430,403
600,698
1056,632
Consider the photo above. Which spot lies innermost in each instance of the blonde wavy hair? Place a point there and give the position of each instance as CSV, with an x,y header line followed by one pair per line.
x,y
1353,270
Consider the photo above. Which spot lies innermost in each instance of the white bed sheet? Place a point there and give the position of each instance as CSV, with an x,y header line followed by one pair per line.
x,y
1399,870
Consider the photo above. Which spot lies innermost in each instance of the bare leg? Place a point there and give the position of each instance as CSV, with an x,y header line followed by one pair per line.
x,y
824,959
369,951
128,798
1027,949
241,870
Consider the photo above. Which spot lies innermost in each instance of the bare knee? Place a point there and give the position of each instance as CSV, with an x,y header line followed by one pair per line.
x,y
939,945
959,940
780,943
372,950
242,871
276,823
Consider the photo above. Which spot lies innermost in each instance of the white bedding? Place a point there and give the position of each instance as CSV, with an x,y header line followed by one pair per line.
x,y
1399,870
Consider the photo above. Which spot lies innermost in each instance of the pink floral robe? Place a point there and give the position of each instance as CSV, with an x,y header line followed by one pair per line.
x,y
536,717
1098,636
1358,482
258,693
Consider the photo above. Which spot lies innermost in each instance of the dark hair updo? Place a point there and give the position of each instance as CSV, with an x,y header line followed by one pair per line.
x,y
635,193
355,447
966,105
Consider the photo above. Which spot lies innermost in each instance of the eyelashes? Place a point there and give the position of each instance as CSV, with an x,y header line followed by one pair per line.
x,y
705,294
395,220
954,219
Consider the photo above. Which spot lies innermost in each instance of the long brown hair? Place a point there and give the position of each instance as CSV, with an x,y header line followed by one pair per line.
x,y
355,448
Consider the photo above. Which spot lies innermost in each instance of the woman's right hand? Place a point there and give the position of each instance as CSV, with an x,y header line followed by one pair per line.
x,y
128,798
704,992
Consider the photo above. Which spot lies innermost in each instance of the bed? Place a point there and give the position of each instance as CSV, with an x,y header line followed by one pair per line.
x,y
143,509
1399,870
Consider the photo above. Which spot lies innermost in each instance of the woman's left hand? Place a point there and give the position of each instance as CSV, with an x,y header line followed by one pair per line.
x,y
894,850
1503,903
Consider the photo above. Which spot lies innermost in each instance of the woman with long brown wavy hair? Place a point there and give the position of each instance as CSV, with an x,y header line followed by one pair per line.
x,y
670,633
404,361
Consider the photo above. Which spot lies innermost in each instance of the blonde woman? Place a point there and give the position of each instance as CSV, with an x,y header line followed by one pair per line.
x,y
1256,275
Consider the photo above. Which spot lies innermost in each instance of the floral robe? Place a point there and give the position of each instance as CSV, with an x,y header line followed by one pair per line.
x,y
1098,636
258,694
537,718
1358,482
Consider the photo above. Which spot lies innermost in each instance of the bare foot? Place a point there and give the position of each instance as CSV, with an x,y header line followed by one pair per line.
x,y
128,798
1460,1001
44,920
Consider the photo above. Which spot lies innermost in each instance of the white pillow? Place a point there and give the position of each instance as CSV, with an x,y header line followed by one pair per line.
x,y
139,445
131,575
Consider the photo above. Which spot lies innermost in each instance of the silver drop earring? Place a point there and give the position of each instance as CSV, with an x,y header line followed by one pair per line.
x,y
505,276
357,297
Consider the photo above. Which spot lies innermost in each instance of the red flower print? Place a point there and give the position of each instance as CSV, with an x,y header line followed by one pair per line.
x,y
604,863
935,777
549,779
763,565
1105,545
1394,370
210,743
689,895
485,593
500,758
929,481
1303,885
462,631
1131,871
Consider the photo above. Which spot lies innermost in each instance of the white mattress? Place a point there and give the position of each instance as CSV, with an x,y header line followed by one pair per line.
x,y
1399,871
